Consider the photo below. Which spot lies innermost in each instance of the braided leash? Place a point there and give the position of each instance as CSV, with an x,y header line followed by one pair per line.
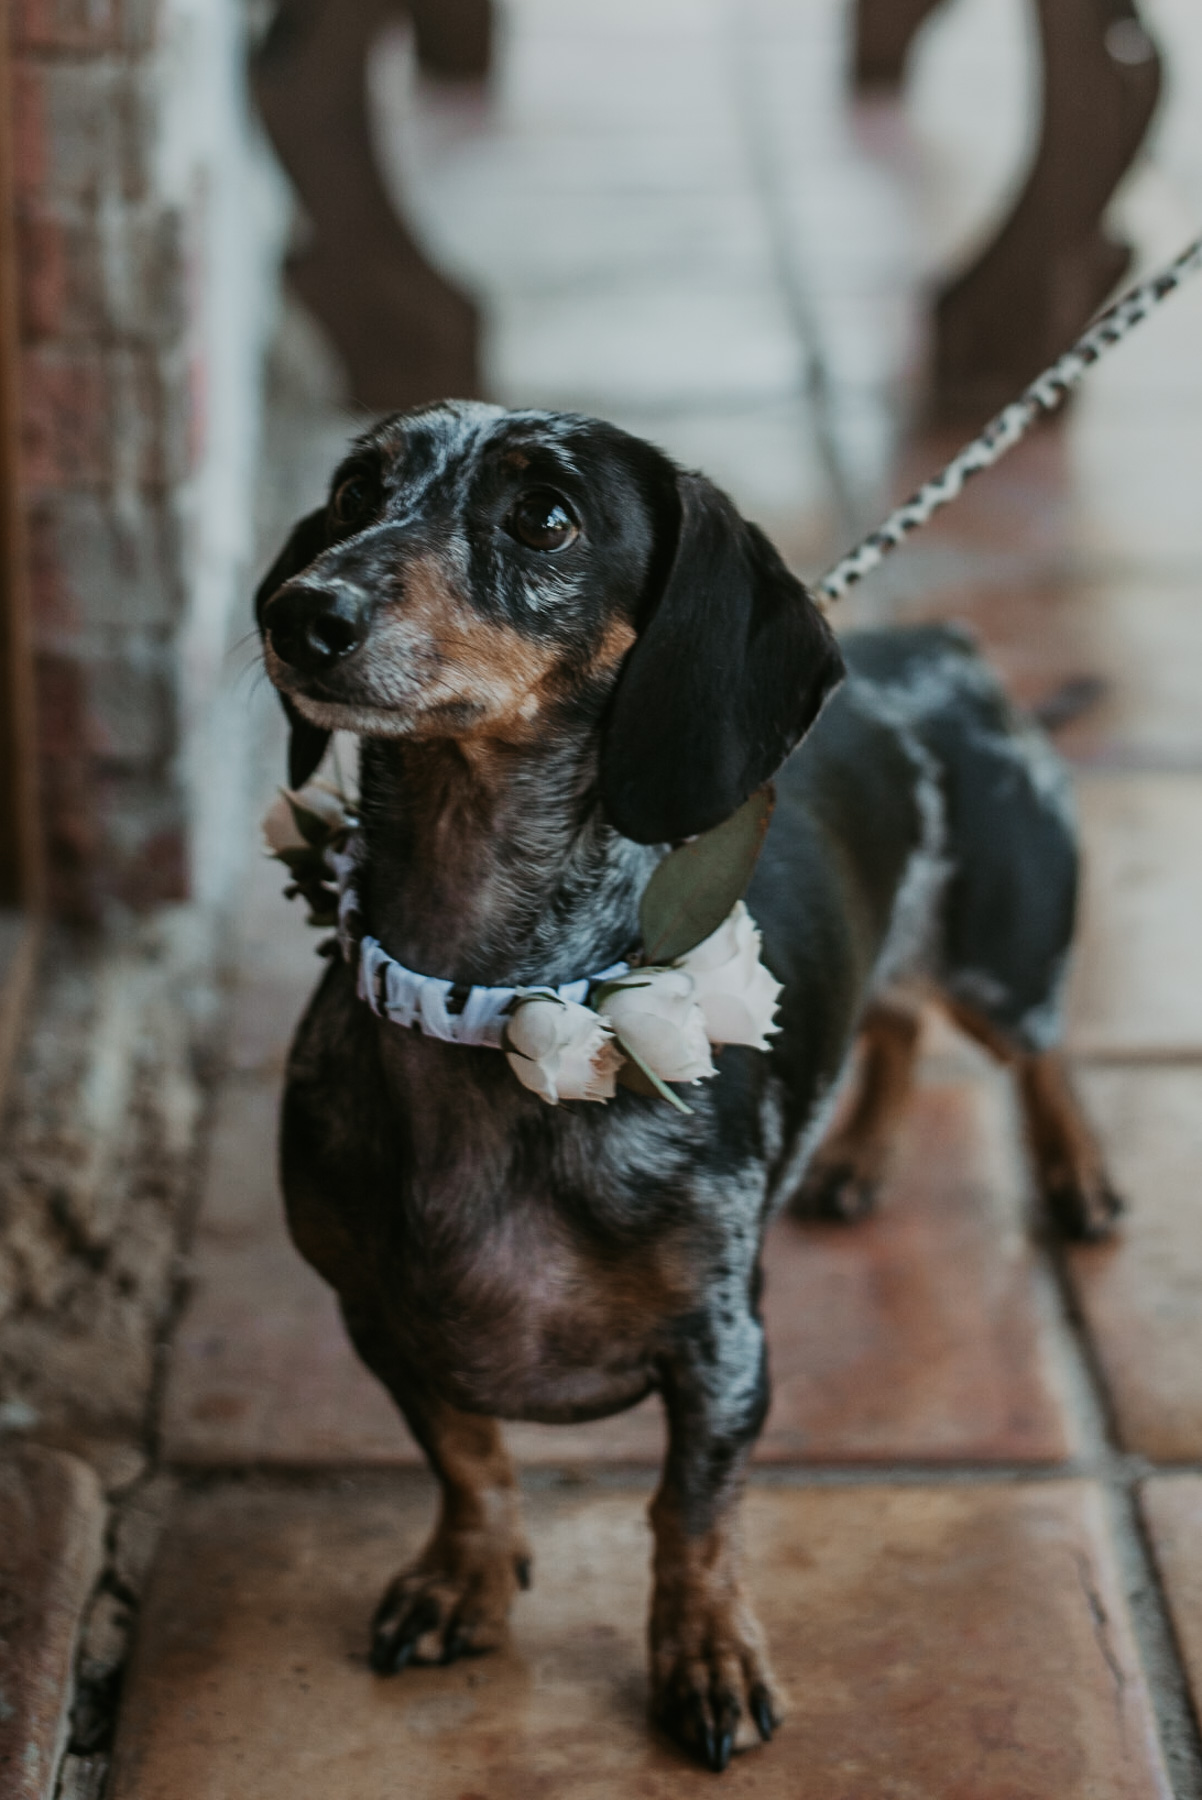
x,y
1001,434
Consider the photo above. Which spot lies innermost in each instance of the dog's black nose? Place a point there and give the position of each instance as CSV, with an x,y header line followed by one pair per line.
x,y
311,628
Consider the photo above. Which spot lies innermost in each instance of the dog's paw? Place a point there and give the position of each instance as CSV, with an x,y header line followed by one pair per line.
x,y
1084,1211
835,1191
712,1689
453,1601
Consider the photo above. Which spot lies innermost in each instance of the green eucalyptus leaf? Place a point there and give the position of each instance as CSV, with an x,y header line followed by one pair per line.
x,y
619,986
695,888
642,1071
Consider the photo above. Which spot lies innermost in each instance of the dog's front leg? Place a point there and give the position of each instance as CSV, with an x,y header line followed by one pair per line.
x,y
709,1666
454,1599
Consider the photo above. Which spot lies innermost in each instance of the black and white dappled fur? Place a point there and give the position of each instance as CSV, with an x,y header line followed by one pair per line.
x,y
563,653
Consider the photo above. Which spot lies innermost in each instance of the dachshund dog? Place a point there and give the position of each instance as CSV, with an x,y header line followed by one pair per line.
x,y
563,654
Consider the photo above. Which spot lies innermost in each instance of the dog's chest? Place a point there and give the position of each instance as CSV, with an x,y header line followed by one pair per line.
x,y
536,1255
518,1321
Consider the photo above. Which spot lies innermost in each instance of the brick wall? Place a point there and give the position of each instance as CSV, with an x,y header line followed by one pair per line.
x,y
149,225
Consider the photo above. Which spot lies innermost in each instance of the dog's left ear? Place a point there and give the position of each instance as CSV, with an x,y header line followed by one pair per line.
x,y
307,540
728,673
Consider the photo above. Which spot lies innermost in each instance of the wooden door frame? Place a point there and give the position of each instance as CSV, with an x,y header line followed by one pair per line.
x,y
21,865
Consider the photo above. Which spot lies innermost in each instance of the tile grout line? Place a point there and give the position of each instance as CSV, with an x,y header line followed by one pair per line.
x,y
813,384
1114,1468
1120,1475
1156,1640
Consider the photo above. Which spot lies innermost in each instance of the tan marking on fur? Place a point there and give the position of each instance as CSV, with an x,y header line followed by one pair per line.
x,y
1069,1166
598,1306
477,1556
861,1143
501,680
849,1164
617,639
705,1638
1067,1156
474,662
983,1031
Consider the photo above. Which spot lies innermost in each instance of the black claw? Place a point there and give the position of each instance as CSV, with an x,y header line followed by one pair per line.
x,y
388,1605
725,1750
389,1655
1085,1218
837,1194
392,1648
852,1201
1112,1207
762,1713
1092,1231
522,1568
703,1731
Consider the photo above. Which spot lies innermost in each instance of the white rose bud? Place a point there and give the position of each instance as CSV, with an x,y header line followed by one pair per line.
x,y
655,1013
280,830
736,993
562,1051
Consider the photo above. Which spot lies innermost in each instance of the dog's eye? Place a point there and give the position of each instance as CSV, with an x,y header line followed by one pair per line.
x,y
541,521
353,499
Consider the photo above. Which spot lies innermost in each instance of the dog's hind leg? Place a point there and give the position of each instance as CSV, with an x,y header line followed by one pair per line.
x,y
845,1174
1069,1167
709,1666
454,1598
1007,931
1068,1160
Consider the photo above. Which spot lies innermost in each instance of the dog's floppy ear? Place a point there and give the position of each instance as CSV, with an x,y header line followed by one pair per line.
x,y
729,671
308,538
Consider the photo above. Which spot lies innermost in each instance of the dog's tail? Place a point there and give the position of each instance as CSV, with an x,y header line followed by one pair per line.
x,y
1067,703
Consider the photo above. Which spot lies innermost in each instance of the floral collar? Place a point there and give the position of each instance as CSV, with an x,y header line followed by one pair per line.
x,y
701,982
439,1009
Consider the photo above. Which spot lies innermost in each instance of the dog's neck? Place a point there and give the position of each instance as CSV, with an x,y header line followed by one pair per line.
x,y
491,863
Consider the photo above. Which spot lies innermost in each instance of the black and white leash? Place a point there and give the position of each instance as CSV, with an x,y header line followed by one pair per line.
x,y
1001,434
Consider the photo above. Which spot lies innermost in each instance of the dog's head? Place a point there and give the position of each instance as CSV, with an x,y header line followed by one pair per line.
x,y
484,575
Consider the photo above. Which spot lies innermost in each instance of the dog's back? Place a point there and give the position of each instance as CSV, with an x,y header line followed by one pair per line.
x,y
936,821
924,837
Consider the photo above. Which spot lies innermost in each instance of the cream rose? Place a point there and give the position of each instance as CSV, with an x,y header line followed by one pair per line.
x,y
561,1051
280,830
734,990
655,1013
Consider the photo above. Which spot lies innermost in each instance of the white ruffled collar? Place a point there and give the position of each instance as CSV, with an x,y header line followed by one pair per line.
x,y
652,1026
404,997
428,1003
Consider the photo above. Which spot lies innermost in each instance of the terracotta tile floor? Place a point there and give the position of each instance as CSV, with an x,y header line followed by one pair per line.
x,y
650,192
964,1642
1172,1510
1141,1295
